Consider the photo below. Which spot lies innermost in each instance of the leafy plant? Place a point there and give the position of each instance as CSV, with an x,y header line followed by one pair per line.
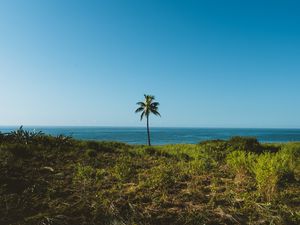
x,y
22,136
269,169
63,141
241,162
214,149
249,144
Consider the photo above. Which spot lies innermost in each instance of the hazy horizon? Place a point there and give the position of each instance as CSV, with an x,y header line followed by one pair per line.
x,y
231,64
140,126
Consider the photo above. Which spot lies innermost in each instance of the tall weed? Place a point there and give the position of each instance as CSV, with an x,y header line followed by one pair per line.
x,y
270,169
241,162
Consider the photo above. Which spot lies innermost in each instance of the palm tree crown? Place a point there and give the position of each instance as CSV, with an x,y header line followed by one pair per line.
x,y
146,108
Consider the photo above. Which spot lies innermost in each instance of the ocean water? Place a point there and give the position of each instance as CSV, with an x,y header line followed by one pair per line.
x,y
159,136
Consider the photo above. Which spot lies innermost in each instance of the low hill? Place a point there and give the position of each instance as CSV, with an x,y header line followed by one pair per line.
x,y
58,180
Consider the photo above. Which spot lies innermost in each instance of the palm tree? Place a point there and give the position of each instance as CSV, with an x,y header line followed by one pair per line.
x,y
147,107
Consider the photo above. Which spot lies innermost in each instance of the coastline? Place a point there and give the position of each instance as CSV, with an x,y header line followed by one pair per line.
x,y
164,135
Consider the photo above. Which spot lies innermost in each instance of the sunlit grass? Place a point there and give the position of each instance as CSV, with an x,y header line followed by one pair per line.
x,y
58,180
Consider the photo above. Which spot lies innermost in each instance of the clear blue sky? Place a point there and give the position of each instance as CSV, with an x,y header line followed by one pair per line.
x,y
209,63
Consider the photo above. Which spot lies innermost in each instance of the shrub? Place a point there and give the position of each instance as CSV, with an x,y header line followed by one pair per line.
x,y
293,151
240,162
249,144
266,175
21,136
63,141
215,149
270,169
273,148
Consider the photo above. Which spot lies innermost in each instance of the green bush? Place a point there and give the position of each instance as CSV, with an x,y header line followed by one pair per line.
x,y
273,148
293,151
249,144
214,149
270,169
241,162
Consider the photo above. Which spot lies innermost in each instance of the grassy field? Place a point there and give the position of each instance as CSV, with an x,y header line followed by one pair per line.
x,y
48,180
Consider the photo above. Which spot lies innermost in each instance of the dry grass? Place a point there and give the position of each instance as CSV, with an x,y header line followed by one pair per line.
x,y
51,180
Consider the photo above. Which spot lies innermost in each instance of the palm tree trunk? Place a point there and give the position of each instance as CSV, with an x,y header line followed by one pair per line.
x,y
148,131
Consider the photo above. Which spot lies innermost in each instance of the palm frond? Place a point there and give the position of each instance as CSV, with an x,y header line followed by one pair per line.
x,y
141,104
155,104
156,113
149,98
140,109
142,115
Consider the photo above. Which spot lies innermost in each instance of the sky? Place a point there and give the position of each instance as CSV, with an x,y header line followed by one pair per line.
x,y
208,63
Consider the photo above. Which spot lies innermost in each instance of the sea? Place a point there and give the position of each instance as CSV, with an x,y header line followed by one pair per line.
x,y
164,135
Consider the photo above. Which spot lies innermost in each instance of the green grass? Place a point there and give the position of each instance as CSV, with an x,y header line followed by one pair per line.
x,y
58,180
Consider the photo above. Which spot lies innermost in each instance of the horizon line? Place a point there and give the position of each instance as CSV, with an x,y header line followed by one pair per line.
x,y
111,126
